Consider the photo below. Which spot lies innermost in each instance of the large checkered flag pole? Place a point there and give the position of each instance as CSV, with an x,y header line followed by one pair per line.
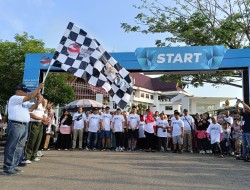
x,y
85,58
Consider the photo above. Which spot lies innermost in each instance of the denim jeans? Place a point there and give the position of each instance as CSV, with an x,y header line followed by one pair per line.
x,y
92,140
17,136
245,144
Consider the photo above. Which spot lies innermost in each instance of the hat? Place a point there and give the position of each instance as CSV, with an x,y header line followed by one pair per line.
x,y
22,87
175,111
185,110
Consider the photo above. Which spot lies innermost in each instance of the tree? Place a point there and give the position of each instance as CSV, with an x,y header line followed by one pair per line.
x,y
195,23
12,58
56,89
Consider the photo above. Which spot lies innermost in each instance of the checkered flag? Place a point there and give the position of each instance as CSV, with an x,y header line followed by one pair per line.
x,y
85,58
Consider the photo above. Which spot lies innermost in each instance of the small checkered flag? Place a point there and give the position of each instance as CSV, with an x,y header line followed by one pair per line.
x,y
85,58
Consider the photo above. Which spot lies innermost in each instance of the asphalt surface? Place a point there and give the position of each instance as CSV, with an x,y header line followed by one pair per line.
x,y
126,170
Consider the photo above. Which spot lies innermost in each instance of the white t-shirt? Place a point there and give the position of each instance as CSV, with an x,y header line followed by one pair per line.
x,y
106,121
39,112
149,127
188,120
177,126
117,120
141,129
0,116
79,119
17,110
133,119
162,123
229,119
214,130
94,122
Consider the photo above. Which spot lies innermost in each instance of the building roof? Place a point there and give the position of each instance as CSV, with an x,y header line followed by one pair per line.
x,y
154,84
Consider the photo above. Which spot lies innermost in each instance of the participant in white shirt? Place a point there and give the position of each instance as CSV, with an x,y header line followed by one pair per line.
x,y
79,122
227,118
117,126
188,127
38,117
133,128
106,119
162,127
177,127
214,130
93,123
19,118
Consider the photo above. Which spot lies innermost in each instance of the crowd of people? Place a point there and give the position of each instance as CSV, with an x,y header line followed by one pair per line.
x,y
32,129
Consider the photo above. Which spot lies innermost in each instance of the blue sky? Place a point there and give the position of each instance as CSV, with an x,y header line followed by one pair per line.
x,y
47,19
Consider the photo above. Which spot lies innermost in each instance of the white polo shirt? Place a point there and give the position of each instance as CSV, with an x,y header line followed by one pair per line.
x,y
17,110
94,122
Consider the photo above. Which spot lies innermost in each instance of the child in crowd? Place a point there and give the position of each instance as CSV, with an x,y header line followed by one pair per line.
x,y
225,142
214,130
237,136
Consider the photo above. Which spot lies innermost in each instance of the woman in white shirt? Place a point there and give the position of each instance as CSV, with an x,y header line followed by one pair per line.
x,y
149,130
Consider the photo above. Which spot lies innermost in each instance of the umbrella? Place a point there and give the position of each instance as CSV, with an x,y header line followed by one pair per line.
x,y
86,103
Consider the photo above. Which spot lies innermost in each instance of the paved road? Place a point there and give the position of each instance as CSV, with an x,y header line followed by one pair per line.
x,y
138,171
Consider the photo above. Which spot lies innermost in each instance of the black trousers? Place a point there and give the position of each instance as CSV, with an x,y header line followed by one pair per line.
x,y
118,139
64,141
162,141
149,140
216,145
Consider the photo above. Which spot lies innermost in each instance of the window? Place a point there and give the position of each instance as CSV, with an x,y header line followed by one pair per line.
x,y
151,97
147,96
168,107
142,95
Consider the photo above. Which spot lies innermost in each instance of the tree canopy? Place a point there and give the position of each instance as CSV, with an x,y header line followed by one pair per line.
x,y
197,23
12,59
56,89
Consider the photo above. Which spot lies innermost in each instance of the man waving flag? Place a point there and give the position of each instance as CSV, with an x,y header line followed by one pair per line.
x,y
85,58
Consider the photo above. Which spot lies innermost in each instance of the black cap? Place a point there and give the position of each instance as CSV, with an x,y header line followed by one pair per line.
x,y
23,88
175,111
185,110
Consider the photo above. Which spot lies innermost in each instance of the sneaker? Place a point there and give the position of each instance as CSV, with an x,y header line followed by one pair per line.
x,y
94,149
180,151
58,149
210,151
87,148
48,149
221,156
117,149
27,162
37,159
65,149
10,172
190,151
40,153
121,149
201,152
18,170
